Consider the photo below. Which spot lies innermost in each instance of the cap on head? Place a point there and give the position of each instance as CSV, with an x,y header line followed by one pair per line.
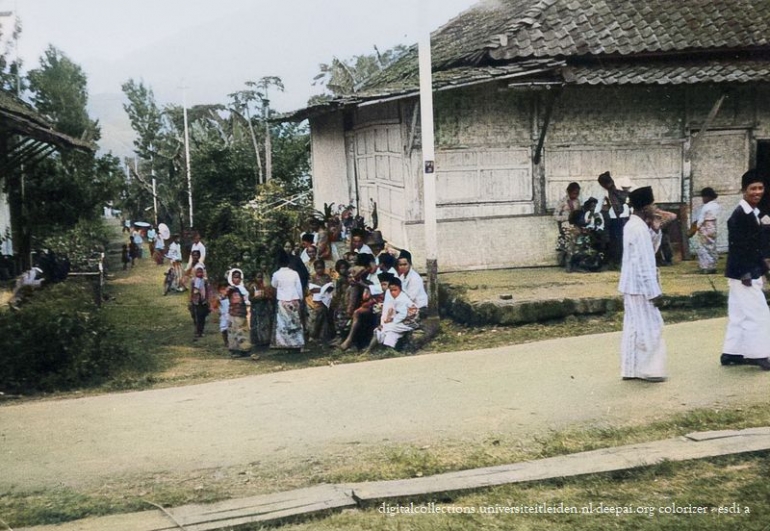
x,y
641,197
750,177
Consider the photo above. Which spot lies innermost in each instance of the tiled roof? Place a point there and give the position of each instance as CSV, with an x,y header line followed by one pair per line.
x,y
495,37
515,29
630,73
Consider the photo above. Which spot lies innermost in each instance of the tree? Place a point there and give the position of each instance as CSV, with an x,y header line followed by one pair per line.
x,y
10,69
70,186
145,116
60,93
342,77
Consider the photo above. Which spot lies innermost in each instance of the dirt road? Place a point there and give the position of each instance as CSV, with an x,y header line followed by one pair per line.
x,y
521,389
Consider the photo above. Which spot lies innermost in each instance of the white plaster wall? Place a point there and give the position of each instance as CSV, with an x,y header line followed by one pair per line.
x,y
488,243
328,162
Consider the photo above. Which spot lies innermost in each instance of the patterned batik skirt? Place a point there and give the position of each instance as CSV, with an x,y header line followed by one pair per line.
x,y
238,336
287,332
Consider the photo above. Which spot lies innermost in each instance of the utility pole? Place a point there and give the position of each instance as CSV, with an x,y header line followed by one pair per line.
x,y
154,188
268,141
429,166
187,154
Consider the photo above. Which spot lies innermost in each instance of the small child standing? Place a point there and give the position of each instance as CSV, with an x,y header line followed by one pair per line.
x,y
224,310
124,256
199,300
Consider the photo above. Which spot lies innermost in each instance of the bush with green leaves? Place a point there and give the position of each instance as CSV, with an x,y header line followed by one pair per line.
x,y
249,237
81,244
59,340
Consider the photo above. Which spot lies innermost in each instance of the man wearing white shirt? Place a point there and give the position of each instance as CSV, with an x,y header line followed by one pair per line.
x,y
643,350
411,281
357,244
747,339
395,321
198,246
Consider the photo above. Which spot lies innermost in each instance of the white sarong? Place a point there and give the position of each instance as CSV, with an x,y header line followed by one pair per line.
x,y
642,349
748,320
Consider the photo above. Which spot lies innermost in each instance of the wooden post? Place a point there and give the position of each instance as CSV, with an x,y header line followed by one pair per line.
x,y
429,172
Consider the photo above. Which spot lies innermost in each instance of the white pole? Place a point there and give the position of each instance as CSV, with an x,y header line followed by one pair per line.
x,y
429,168
155,201
187,156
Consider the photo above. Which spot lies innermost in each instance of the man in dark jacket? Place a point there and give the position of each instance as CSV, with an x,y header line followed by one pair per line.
x,y
747,340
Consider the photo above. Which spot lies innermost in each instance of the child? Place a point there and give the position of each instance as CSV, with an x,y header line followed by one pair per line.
x,y
238,335
262,310
224,310
318,302
125,257
395,321
199,300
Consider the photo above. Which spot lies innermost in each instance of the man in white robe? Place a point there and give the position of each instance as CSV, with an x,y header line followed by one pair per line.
x,y
643,350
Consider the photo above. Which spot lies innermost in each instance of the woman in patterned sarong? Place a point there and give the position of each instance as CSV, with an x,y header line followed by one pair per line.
x,y
706,229
261,310
287,330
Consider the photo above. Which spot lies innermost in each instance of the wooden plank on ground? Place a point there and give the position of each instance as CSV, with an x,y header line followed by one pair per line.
x,y
593,462
267,508
273,508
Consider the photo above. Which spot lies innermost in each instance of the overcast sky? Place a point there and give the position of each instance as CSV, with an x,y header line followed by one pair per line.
x,y
213,47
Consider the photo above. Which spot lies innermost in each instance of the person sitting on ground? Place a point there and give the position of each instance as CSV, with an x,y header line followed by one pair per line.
x,y
321,239
367,316
357,244
411,282
312,253
387,264
307,242
395,320
318,301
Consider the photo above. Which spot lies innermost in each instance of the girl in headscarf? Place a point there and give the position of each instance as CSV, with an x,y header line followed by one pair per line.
x,y
238,337
200,300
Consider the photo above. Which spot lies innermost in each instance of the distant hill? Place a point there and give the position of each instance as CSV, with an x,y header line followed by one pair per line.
x,y
117,135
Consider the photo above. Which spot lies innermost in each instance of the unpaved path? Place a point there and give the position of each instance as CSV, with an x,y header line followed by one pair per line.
x,y
520,389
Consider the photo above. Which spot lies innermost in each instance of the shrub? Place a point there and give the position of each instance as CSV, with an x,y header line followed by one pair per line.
x,y
58,340
80,244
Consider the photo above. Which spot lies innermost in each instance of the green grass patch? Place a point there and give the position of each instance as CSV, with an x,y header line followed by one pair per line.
x,y
681,483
